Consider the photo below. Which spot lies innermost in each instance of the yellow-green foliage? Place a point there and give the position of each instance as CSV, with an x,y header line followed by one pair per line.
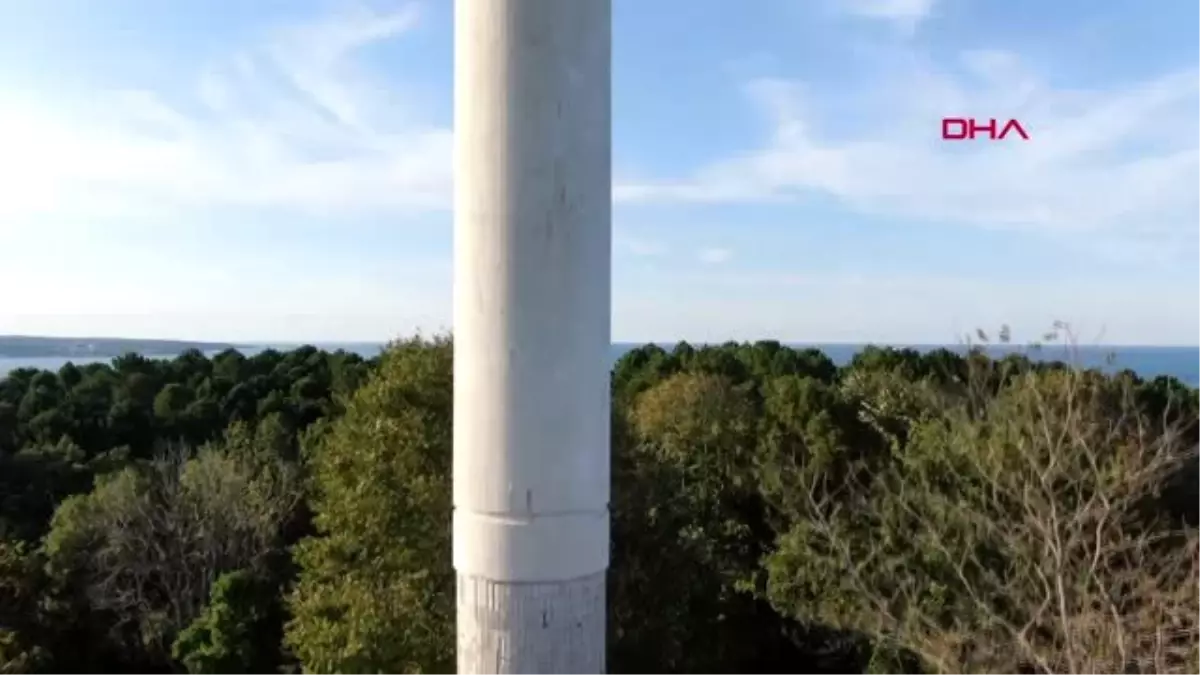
x,y
376,586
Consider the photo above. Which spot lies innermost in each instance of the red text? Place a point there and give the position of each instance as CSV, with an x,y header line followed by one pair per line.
x,y
962,129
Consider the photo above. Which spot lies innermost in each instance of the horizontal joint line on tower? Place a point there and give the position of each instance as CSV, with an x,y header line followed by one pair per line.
x,y
522,518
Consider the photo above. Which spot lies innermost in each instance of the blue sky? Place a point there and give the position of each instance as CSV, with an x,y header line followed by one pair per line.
x,y
281,169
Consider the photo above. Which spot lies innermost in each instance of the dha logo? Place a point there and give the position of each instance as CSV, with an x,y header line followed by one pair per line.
x,y
962,129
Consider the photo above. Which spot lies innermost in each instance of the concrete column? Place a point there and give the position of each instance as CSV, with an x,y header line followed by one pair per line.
x,y
532,261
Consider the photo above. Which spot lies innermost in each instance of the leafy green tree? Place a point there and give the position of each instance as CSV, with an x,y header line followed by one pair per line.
x,y
376,587
688,532
43,394
237,632
69,375
8,428
33,482
190,368
228,365
21,585
89,404
171,401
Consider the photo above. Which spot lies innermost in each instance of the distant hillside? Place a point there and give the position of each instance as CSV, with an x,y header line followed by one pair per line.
x,y
23,346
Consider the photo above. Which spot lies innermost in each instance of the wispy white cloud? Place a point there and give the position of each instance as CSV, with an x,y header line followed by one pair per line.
x,y
905,14
888,9
295,121
642,248
714,256
1117,165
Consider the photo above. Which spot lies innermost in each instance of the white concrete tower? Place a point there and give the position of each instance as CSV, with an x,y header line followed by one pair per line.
x,y
532,268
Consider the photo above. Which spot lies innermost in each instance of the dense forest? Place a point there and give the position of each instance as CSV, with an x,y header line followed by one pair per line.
x,y
772,512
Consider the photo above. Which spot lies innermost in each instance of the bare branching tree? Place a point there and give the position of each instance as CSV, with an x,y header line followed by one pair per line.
x,y
147,544
1022,531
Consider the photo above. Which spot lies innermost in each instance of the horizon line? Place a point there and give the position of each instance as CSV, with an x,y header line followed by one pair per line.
x,y
672,342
